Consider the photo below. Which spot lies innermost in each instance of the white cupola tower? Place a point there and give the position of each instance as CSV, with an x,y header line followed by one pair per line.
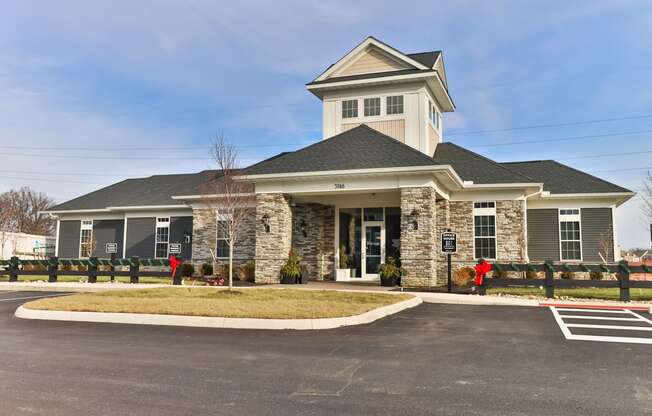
x,y
400,95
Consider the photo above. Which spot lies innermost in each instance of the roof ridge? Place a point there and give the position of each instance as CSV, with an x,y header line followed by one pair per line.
x,y
527,161
488,160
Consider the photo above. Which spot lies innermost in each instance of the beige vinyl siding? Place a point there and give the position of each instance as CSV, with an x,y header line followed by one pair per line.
x,y
392,128
369,62
433,138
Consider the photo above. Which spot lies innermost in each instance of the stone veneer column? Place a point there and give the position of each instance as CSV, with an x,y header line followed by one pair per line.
x,y
443,224
273,246
204,232
510,230
316,248
418,243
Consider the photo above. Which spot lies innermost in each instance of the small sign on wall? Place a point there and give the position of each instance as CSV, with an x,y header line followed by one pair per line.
x,y
448,242
175,248
111,248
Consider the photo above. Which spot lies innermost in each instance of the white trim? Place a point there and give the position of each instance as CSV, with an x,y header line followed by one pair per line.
x,y
124,239
85,227
112,209
367,171
570,218
161,224
208,196
428,73
614,230
369,41
486,212
56,241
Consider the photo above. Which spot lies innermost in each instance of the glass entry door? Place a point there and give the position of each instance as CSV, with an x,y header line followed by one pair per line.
x,y
373,248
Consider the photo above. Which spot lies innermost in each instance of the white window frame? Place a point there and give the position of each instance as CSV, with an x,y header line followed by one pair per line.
x,y
86,225
575,215
349,112
162,222
489,211
389,106
374,107
223,218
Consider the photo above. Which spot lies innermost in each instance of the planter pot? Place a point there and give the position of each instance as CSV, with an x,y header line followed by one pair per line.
x,y
343,275
389,281
288,280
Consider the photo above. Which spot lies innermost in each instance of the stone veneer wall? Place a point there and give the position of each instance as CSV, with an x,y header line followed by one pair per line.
x,y
443,220
510,229
272,247
205,235
418,244
316,248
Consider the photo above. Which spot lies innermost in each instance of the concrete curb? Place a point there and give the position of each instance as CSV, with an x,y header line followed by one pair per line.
x,y
455,299
216,322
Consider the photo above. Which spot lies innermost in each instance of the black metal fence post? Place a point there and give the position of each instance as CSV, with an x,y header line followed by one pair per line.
x,y
550,282
13,269
92,270
134,268
112,267
624,281
53,267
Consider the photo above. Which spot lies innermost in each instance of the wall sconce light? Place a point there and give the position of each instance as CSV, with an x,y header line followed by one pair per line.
x,y
187,238
265,222
415,225
303,226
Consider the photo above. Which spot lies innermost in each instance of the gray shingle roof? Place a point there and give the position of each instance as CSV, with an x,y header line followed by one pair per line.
x,y
558,178
154,190
359,148
471,166
425,58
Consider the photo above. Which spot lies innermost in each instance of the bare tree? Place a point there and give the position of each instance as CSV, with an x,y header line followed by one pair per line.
x,y
6,224
24,207
606,243
647,196
227,199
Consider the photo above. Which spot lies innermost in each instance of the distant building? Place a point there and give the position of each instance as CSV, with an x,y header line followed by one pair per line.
x,y
26,246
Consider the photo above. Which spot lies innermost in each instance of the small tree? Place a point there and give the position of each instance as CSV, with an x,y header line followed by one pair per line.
x,y
606,243
647,197
228,200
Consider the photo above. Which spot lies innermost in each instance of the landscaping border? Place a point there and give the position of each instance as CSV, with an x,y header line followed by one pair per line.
x,y
217,322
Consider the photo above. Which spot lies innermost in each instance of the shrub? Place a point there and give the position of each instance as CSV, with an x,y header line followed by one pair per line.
x,y
344,258
206,269
502,274
596,276
390,269
531,274
248,271
187,270
292,267
567,275
463,276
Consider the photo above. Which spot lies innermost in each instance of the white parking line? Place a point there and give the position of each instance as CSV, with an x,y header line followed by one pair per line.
x,y
568,334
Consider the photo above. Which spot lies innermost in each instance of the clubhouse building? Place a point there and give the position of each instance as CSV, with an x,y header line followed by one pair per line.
x,y
381,183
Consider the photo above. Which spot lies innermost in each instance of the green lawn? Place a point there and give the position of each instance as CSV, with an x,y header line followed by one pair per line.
x,y
122,279
579,293
246,303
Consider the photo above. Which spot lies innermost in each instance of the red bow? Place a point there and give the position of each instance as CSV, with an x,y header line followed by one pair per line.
x,y
481,270
174,263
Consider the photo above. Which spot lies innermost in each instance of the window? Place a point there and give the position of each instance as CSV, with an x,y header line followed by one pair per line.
x,y
222,246
395,104
570,235
349,109
484,230
162,237
372,106
86,239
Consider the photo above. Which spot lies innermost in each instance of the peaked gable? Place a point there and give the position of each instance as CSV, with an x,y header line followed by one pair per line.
x,y
384,56
371,60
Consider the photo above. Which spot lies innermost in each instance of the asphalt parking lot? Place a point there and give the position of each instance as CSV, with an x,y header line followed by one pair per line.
x,y
433,359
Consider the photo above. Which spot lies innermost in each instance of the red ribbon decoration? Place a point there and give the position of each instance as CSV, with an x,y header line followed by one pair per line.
x,y
174,263
481,271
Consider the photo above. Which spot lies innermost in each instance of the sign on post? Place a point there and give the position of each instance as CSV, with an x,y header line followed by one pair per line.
x,y
175,248
111,248
448,242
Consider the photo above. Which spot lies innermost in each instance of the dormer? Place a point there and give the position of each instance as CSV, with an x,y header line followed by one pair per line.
x,y
401,95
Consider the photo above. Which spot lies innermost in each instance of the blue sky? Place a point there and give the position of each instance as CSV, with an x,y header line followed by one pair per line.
x,y
157,79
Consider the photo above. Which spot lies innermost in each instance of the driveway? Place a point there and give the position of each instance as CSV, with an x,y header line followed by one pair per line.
x,y
432,359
